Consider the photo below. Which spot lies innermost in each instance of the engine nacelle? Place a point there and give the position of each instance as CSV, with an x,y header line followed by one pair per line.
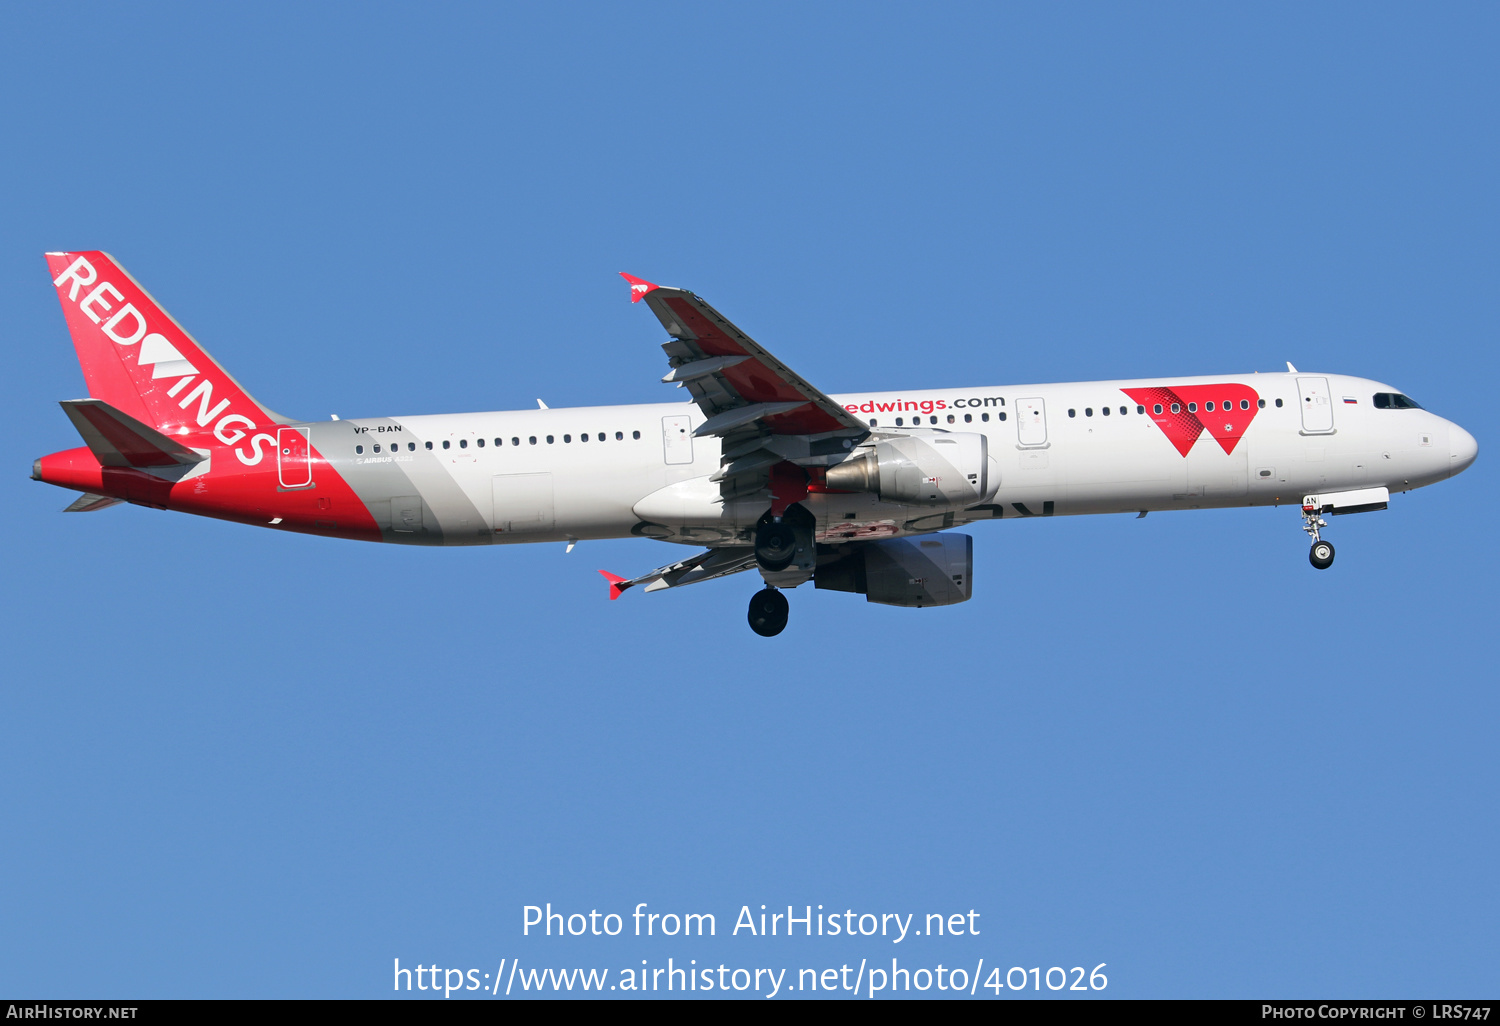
x,y
929,570
937,470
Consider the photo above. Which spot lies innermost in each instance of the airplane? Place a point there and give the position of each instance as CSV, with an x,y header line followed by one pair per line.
x,y
760,470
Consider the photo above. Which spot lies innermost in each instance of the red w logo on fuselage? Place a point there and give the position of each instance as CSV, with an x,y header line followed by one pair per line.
x,y
1186,411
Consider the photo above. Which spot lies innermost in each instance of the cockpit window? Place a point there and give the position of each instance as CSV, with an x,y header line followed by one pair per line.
x,y
1395,401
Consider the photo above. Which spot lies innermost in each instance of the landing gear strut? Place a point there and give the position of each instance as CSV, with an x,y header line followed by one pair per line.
x,y
1321,555
768,612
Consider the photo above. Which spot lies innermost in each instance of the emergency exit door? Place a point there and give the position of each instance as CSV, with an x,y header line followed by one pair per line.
x,y
677,439
1031,421
1317,405
293,458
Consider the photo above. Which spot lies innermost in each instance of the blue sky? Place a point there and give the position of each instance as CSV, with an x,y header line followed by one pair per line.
x,y
238,763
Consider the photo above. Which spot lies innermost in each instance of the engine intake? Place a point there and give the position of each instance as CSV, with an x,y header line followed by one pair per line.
x,y
947,470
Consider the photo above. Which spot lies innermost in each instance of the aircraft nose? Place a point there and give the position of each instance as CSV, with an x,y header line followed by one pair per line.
x,y
1462,448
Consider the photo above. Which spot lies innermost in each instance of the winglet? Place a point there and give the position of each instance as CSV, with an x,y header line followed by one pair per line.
x,y
617,584
638,287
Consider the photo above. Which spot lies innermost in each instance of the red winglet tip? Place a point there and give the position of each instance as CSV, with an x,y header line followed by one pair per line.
x,y
614,584
638,287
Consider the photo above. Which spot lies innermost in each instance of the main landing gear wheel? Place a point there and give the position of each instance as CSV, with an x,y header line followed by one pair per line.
x,y
1321,555
775,545
768,612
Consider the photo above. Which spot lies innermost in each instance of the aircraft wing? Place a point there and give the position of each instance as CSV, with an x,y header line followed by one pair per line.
x,y
705,566
763,410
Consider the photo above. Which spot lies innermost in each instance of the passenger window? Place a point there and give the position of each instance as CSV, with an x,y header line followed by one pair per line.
x,y
968,418
1072,413
411,446
1105,411
1002,415
619,436
1088,411
359,450
463,443
1278,404
1192,407
517,441
872,421
447,444
566,438
636,435
1208,406
1244,404
932,420
1142,409
1123,411
601,436
952,419
1156,408
428,444
549,439
899,422
377,448
479,442
1176,407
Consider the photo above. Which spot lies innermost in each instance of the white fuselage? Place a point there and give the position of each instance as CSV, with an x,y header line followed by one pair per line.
x,y
527,476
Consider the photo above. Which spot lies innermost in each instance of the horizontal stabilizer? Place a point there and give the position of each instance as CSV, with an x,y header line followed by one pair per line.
x,y
119,440
88,502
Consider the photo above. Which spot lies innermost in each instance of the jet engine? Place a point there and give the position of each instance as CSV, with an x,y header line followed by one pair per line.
x,y
937,470
929,570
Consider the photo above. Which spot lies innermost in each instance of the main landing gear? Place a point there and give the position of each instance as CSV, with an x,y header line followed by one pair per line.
x,y
775,545
1321,555
785,550
768,612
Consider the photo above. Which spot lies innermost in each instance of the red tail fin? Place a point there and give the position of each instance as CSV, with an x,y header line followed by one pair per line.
x,y
139,360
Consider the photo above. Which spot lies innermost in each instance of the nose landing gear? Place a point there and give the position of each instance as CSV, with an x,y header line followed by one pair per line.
x,y
768,612
1321,554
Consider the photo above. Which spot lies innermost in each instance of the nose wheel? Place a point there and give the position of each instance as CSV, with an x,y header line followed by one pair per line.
x,y
768,612
1321,554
